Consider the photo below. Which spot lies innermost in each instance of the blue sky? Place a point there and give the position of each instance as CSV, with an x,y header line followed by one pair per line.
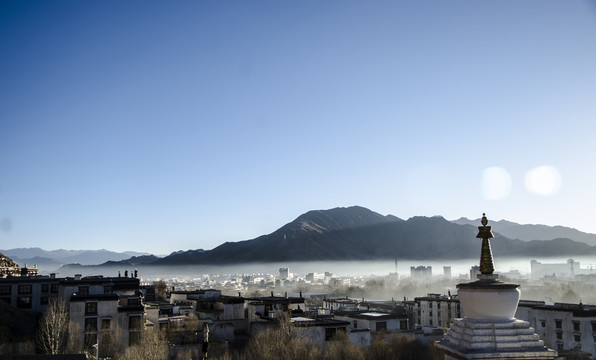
x,y
159,126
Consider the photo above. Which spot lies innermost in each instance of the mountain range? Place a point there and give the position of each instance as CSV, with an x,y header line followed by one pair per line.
x,y
357,233
53,259
528,232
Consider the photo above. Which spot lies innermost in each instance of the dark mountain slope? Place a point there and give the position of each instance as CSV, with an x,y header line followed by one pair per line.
x,y
356,233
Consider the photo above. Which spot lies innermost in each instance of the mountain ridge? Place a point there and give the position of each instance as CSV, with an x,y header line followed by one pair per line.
x,y
357,233
529,232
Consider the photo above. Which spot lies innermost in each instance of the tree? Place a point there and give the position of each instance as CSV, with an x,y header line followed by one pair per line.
x,y
152,346
53,328
110,344
160,287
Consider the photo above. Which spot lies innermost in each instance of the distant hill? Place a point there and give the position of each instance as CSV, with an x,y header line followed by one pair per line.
x,y
357,233
49,260
134,261
528,232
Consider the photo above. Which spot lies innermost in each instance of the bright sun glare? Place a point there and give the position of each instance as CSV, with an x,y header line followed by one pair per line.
x,y
496,183
543,180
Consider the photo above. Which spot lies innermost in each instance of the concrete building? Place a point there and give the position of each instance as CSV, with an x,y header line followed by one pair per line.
x,y
373,321
322,330
284,273
447,272
565,327
28,292
474,272
418,272
339,304
436,311
564,271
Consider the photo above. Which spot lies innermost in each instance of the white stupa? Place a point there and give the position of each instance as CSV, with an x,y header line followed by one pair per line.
x,y
489,329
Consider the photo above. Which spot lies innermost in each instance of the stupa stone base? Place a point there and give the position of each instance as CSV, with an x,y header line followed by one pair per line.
x,y
473,339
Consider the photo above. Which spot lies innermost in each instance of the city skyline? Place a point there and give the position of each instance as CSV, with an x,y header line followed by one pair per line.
x,y
156,127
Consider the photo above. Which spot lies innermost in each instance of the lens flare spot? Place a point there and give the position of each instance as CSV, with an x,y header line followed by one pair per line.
x,y
543,180
496,183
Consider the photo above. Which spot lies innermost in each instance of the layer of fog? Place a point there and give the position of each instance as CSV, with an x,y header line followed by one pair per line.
x,y
338,268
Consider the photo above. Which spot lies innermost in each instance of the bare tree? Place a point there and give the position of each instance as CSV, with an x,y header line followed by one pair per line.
x,y
110,345
152,346
75,345
160,287
53,328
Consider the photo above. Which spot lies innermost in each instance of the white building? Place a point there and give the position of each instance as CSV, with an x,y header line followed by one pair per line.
x,y
565,327
435,310
373,321
564,271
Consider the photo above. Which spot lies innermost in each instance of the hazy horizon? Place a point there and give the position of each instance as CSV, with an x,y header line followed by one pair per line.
x,y
341,268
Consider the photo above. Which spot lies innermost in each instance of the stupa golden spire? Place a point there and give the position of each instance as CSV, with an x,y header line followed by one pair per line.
x,y
486,255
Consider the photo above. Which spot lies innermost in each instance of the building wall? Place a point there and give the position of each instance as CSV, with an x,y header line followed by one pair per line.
x,y
89,325
562,330
29,293
358,322
436,311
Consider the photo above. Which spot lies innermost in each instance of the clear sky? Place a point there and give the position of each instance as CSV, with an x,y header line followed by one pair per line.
x,y
158,126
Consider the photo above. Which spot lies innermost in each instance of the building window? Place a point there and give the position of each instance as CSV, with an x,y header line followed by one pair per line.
x,y
381,325
134,322
576,326
543,323
45,288
83,290
24,302
559,335
54,288
91,308
135,302
330,333
403,324
355,324
594,327
5,289
558,324
134,338
559,346
430,313
24,289
105,324
43,300
577,337
107,289
90,325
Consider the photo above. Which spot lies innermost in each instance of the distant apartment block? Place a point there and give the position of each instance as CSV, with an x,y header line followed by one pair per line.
x,y
284,273
418,272
563,271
